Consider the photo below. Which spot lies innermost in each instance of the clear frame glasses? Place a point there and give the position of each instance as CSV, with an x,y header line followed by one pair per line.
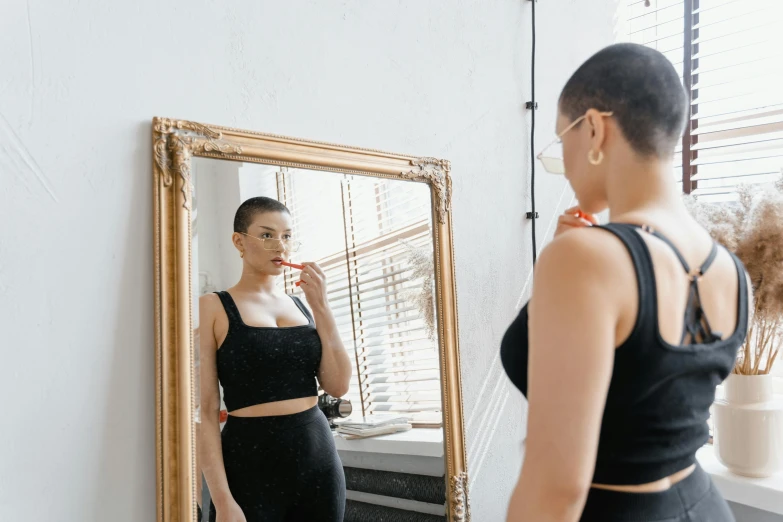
x,y
551,157
271,243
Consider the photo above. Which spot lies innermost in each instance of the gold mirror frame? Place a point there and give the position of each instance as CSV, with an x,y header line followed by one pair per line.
x,y
175,142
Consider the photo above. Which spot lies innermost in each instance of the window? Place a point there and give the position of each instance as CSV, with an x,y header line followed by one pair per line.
x,y
729,54
376,250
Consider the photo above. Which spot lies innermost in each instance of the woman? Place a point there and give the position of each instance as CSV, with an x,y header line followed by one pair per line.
x,y
622,345
275,459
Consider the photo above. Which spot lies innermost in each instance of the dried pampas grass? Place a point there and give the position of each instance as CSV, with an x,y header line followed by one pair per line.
x,y
752,228
423,298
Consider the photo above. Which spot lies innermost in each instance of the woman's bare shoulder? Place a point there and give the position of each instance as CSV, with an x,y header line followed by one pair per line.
x,y
588,245
208,304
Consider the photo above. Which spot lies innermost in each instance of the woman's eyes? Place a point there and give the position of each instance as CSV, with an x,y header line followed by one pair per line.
x,y
266,235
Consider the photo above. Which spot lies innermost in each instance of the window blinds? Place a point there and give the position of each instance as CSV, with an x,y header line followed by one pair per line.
x,y
733,68
374,245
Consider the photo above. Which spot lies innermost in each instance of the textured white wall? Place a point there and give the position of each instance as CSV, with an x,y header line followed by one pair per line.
x,y
218,196
79,83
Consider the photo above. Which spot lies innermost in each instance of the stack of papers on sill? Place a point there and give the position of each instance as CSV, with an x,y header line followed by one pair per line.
x,y
427,420
372,426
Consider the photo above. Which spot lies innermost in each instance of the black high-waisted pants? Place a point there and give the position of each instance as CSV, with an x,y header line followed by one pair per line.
x,y
694,499
283,468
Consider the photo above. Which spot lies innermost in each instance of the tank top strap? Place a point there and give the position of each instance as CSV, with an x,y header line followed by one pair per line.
x,y
303,308
702,269
234,318
696,324
645,276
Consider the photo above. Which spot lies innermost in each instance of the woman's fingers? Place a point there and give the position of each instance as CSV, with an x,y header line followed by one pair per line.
x,y
315,271
587,217
316,268
310,276
579,213
570,220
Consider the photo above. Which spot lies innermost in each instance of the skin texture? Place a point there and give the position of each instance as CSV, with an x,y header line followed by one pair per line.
x,y
585,303
261,303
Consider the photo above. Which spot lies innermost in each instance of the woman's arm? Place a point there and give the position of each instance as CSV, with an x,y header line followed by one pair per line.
x,y
210,448
573,319
334,374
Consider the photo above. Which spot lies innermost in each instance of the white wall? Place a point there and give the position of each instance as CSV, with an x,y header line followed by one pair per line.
x,y
79,83
218,196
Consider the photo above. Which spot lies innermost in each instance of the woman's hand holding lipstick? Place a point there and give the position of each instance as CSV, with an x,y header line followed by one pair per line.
x,y
313,280
572,218
591,219
311,274
293,265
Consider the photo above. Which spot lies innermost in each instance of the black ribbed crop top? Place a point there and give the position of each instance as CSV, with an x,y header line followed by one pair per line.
x,y
656,411
256,365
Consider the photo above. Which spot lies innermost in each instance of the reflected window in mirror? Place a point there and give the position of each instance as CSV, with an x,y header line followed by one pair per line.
x,y
377,250
373,238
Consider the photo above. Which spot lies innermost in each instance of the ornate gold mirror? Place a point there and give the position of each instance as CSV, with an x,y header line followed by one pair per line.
x,y
374,228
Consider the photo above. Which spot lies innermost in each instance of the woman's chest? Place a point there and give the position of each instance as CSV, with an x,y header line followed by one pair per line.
x,y
276,351
514,351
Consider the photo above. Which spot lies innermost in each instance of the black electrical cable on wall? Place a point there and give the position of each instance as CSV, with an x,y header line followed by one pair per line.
x,y
533,130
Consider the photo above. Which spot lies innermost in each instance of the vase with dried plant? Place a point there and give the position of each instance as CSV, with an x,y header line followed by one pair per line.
x,y
748,418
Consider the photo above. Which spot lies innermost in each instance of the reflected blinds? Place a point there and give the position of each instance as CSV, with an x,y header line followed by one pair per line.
x,y
375,246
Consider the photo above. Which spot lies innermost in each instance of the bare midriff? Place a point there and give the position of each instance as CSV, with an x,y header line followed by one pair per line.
x,y
651,487
269,409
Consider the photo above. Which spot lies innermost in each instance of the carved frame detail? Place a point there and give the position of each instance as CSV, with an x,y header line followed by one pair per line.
x,y
175,143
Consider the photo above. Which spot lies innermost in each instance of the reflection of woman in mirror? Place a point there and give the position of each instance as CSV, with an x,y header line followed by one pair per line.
x,y
631,325
275,459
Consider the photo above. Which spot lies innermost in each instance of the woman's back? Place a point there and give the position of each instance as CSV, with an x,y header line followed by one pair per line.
x,y
717,286
686,329
676,340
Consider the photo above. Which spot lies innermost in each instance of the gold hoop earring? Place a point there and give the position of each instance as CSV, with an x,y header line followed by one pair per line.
x,y
593,160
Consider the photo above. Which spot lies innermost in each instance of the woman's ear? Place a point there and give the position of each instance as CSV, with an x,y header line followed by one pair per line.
x,y
597,123
236,238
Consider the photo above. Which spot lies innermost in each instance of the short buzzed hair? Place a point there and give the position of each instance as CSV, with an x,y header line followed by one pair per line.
x,y
248,210
640,86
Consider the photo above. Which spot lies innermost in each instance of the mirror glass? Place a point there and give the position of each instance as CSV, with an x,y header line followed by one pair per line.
x,y
283,448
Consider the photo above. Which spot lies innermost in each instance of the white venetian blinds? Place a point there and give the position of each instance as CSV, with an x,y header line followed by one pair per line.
x,y
734,68
373,238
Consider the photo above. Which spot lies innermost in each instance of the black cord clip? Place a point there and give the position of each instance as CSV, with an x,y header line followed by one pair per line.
x,y
531,215
530,105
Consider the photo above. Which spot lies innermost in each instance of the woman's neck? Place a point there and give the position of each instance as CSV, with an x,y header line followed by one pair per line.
x,y
642,189
255,282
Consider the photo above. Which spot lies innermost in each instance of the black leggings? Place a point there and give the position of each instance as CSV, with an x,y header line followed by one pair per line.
x,y
693,499
283,468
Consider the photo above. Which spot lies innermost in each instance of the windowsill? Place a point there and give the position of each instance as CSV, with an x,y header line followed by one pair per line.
x,y
761,493
419,442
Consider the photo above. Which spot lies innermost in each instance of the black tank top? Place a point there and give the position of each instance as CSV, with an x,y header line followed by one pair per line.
x,y
656,411
258,364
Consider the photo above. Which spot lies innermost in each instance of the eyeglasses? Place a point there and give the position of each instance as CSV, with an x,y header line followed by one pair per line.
x,y
551,157
277,244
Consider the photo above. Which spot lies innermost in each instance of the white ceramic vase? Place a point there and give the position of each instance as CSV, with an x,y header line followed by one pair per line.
x,y
748,426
